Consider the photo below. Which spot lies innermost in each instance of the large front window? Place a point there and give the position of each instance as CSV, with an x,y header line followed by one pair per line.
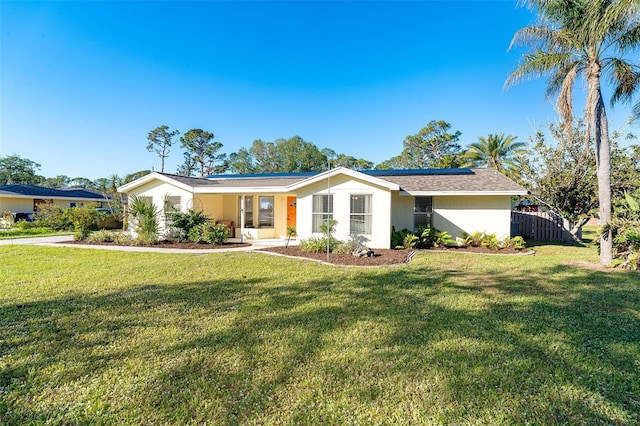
x,y
322,211
360,215
265,212
423,212
248,211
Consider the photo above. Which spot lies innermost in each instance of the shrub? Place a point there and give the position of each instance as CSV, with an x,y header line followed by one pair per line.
x,y
214,233
516,243
82,218
345,247
122,238
185,222
491,242
442,238
101,236
403,239
473,240
318,244
23,224
54,217
426,237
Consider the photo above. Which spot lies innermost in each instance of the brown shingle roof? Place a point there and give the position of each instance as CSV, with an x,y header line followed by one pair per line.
x,y
467,180
479,180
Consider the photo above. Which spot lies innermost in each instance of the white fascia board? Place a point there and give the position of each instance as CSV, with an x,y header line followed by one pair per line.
x,y
148,178
454,193
241,190
348,172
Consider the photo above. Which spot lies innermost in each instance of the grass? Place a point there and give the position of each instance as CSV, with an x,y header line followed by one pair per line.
x,y
105,337
6,234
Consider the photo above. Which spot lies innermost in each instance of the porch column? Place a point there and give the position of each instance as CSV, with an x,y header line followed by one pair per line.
x,y
242,219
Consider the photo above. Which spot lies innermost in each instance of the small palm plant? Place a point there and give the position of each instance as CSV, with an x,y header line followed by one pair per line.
x,y
144,215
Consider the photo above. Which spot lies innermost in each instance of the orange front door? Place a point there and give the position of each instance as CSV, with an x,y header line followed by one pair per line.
x,y
291,211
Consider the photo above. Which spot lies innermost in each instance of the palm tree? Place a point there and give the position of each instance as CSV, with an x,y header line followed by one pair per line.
x,y
588,39
497,151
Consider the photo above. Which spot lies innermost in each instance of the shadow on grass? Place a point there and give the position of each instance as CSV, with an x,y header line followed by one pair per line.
x,y
414,344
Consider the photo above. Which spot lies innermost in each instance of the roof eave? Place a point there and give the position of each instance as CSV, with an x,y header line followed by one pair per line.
x,y
148,178
454,193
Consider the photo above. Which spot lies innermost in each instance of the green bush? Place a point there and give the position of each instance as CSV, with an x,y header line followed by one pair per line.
x,y
101,236
345,247
516,243
54,217
474,240
403,239
318,244
215,233
23,225
491,242
442,238
183,223
82,219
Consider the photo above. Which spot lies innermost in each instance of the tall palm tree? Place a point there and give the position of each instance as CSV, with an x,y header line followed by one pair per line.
x,y
497,151
588,39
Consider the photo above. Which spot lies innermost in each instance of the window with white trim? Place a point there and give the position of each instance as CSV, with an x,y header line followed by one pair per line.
x,y
361,214
423,212
322,211
265,211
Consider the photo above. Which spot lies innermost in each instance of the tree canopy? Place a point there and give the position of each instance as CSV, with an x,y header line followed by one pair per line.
x,y
201,154
589,39
160,141
432,147
496,151
15,169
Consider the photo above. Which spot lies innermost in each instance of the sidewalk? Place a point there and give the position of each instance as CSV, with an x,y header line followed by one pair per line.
x,y
59,240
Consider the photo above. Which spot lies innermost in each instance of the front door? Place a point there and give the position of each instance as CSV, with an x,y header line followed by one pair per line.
x,y
291,211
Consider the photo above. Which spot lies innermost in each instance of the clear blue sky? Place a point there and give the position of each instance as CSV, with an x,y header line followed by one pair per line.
x,y
82,83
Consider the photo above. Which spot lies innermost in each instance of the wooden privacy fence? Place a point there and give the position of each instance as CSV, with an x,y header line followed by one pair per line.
x,y
540,226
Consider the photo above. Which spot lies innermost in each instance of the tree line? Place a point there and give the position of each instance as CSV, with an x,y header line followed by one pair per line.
x,y
434,146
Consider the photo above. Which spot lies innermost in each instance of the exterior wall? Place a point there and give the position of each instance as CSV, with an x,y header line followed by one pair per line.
x,y
64,203
16,205
342,187
458,214
157,191
402,211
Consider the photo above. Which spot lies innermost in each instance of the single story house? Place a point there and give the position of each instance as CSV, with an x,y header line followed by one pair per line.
x,y
23,200
366,204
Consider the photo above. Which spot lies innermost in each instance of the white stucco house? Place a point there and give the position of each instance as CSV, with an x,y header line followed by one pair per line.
x,y
363,203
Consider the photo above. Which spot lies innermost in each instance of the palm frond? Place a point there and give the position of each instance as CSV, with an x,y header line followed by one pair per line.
x,y
624,76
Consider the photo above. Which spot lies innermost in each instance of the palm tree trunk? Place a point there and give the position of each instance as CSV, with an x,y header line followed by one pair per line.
x,y
603,160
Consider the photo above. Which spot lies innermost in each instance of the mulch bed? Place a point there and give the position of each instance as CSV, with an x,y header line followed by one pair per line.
x,y
381,256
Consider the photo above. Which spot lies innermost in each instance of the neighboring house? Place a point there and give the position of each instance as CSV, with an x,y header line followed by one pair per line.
x,y
24,200
367,204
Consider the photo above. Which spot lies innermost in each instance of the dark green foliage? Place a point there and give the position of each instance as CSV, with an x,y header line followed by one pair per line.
x,y
79,219
625,228
185,222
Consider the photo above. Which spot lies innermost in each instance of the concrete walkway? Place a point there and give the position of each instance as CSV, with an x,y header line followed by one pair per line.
x,y
60,240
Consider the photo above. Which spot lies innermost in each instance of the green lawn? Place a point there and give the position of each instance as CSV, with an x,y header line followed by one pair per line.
x,y
27,233
103,337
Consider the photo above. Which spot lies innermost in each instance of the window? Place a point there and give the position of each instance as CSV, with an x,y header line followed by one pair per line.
x,y
172,203
265,212
72,204
360,215
423,212
322,211
248,211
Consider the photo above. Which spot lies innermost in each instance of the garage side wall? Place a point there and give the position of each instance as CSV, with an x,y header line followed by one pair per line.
x,y
459,214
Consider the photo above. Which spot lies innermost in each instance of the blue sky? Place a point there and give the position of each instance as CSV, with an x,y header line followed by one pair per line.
x,y
82,83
